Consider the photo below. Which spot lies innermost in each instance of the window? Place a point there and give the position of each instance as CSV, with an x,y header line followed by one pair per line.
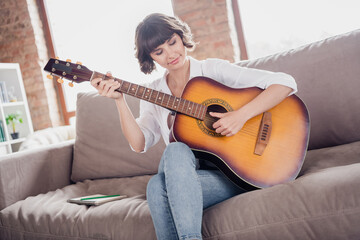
x,y
278,25
100,34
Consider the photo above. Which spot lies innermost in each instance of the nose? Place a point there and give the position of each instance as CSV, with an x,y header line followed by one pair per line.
x,y
171,54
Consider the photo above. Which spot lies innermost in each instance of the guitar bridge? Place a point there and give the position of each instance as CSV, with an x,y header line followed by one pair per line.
x,y
264,134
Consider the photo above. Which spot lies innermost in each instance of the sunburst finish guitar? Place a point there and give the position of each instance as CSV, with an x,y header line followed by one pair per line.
x,y
268,150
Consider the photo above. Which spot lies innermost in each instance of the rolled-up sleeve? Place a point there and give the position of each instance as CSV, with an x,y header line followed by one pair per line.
x,y
242,77
148,125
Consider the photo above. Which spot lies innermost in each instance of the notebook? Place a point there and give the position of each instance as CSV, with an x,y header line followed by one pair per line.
x,y
96,199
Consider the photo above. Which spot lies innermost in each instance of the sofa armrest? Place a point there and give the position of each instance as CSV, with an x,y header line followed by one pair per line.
x,y
31,172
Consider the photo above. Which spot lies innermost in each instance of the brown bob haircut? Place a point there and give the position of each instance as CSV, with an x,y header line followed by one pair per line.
x,y
155,30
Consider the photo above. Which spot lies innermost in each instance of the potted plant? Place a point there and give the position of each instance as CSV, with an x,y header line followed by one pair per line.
x,y
12,119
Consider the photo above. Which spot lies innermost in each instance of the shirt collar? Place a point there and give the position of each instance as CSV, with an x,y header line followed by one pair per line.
x,y
195,71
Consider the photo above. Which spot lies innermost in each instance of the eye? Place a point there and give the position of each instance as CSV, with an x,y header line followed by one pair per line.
x,y
172,42
158,53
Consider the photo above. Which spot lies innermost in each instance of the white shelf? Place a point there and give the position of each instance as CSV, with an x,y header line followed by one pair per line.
x,y
10,75
12,104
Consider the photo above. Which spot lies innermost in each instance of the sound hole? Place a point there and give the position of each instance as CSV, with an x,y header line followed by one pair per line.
x,y
209,120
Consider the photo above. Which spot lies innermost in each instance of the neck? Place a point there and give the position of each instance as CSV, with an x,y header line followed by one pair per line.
x,y
180,76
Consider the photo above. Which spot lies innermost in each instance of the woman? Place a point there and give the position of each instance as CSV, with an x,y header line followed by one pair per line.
x,y
183,187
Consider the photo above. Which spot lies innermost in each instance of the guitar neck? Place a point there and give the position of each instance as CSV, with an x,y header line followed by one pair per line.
x,y
168,101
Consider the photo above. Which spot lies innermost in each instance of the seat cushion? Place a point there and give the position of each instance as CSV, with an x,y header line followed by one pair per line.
x,y
318,205
323,203
49,216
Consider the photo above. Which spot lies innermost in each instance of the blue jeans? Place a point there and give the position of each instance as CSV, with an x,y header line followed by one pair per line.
x,y
179,192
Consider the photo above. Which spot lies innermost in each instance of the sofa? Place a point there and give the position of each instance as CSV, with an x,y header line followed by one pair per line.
x,y
323,202
48,136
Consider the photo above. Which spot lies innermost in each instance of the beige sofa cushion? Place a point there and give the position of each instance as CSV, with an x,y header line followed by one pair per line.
x,y
327,73
49,216
323,203
101,150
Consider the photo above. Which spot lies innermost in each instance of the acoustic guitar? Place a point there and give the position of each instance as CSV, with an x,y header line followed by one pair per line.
x,y
268,150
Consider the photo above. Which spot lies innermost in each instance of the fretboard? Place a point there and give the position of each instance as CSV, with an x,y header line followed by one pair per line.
x,y
168,101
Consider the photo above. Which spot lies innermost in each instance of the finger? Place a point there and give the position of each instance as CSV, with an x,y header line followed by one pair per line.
x,y
95,81
226,132
217,124
109,74
216,114
105,86
114,86
220,129
101,85
230,134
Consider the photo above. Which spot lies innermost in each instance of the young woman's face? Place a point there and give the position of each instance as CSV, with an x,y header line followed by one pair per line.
x,y
171,54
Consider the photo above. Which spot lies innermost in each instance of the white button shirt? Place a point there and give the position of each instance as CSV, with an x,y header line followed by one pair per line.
x,y
153,118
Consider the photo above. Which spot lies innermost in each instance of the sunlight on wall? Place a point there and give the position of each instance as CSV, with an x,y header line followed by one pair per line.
x,y
101,35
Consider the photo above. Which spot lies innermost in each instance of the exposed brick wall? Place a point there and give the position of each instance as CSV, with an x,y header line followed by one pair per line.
x,y
208,20
18,45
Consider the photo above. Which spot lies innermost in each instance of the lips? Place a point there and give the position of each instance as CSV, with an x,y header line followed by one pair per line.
x,y
175,61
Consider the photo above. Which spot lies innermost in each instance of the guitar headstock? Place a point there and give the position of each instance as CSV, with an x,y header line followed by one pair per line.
x,y
75,72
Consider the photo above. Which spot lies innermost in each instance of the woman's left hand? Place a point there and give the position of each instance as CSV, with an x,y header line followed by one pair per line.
x,y
229,123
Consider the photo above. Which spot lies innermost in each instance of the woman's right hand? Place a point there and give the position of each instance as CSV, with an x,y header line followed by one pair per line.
x,y
107,88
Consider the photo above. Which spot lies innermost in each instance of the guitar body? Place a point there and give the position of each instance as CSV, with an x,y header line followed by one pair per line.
x,y
283,155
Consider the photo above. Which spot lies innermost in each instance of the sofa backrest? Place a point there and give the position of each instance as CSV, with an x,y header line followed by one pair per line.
x,y
101,150
328,77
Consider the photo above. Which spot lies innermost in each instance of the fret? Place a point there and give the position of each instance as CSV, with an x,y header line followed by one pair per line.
x,y
172,103
167,104
146,95
130,88
159,98
197,105
157,95
151,94
127,87
121,84
192,109
186,106
162,99
143,93
153,98
188,109
175,101
140,91
137,89
201,111
184,102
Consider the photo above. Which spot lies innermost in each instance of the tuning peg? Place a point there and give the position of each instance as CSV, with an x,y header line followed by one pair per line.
x,y
49,76
57,57
71,84
60,80
80,63
68,60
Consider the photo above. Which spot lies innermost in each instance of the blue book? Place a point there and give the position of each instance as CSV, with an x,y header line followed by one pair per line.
x,y
2,133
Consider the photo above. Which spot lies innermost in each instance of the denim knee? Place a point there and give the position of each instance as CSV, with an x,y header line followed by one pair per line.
x,y
178,147
176,154
154,187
